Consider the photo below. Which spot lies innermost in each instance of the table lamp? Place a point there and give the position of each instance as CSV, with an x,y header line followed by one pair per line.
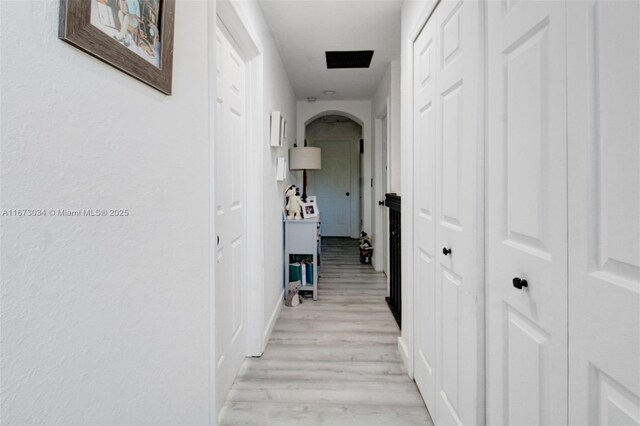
x,y
305,158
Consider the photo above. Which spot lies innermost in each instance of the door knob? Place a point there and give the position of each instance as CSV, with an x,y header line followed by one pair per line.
x,y
381,203
519,283
347,194
446,251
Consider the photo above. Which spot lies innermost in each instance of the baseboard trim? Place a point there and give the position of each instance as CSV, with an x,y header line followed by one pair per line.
x,y
272,322
404,354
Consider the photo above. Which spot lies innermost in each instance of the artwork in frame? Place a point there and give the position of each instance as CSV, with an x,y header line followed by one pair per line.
x,y
281,169
283,131
276,129
135,36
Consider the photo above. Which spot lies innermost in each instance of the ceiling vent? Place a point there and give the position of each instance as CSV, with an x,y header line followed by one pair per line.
x,y
349,59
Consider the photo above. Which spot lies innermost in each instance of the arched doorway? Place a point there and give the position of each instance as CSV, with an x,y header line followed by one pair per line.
x,y
337,185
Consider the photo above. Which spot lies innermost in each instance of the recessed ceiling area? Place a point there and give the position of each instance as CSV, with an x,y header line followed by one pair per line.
x,y
305,29
349,59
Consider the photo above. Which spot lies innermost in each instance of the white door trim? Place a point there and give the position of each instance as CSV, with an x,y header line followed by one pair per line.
x,y
381,181
251,49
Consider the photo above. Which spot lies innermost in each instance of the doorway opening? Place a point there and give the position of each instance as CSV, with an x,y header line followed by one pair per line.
x,y
338,185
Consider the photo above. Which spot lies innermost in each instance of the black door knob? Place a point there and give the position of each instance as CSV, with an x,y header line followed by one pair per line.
x,y
446,251
519,283
347,194
381,203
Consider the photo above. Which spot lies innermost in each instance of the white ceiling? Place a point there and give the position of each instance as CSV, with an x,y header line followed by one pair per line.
x,y
305,29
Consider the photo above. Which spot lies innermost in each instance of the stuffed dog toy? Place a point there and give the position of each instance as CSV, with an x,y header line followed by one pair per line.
x,y
294,203
293,297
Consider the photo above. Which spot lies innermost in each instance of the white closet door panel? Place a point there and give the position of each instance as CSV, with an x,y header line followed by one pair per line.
x,y
526,213
446,137
425,55
230,214
604,207
331,186
457,139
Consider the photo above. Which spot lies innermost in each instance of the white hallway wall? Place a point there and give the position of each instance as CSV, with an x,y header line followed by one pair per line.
x,y
277,95
104,320
107,320
385,100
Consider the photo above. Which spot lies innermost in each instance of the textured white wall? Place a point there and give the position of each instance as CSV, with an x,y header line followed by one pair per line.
x,y
388,91
395,145
378,110
104,320
277,95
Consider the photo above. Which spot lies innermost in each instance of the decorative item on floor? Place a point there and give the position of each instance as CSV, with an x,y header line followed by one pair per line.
x,y
293,297
366,248
294,204
305,158
135,36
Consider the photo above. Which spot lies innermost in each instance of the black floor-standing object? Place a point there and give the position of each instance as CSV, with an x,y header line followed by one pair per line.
x,y
392,201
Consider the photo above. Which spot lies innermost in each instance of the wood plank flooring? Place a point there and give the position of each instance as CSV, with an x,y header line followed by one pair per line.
x,y
330,362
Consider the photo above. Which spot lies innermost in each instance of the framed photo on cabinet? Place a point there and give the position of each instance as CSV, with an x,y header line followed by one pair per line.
x,y
135,36
310,209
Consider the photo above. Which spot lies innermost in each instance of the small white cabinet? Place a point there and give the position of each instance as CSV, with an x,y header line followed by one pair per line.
x,y
302,237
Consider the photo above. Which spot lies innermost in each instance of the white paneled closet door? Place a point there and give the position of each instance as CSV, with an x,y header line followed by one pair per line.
x,y
526,213
447,196
604,211
230,213
424,292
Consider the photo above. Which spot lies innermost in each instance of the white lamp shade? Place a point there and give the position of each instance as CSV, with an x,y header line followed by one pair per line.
x,y
305,158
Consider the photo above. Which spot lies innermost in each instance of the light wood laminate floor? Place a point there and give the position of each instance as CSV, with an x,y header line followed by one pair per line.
x,y
330,362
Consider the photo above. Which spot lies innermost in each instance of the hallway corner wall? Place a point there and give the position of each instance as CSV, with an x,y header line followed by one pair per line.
x,y
277,95
105,320
395,145
386,101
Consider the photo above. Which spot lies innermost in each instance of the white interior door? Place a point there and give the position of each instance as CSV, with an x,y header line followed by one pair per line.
x,y
425,53
448,166
526,213
385,189
604,207
230,145
332,186
458,170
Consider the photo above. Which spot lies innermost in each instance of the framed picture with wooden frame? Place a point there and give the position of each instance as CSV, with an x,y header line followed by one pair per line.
x,y
135,36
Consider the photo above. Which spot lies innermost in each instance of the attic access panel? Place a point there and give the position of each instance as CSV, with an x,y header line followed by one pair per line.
x,y
349,59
